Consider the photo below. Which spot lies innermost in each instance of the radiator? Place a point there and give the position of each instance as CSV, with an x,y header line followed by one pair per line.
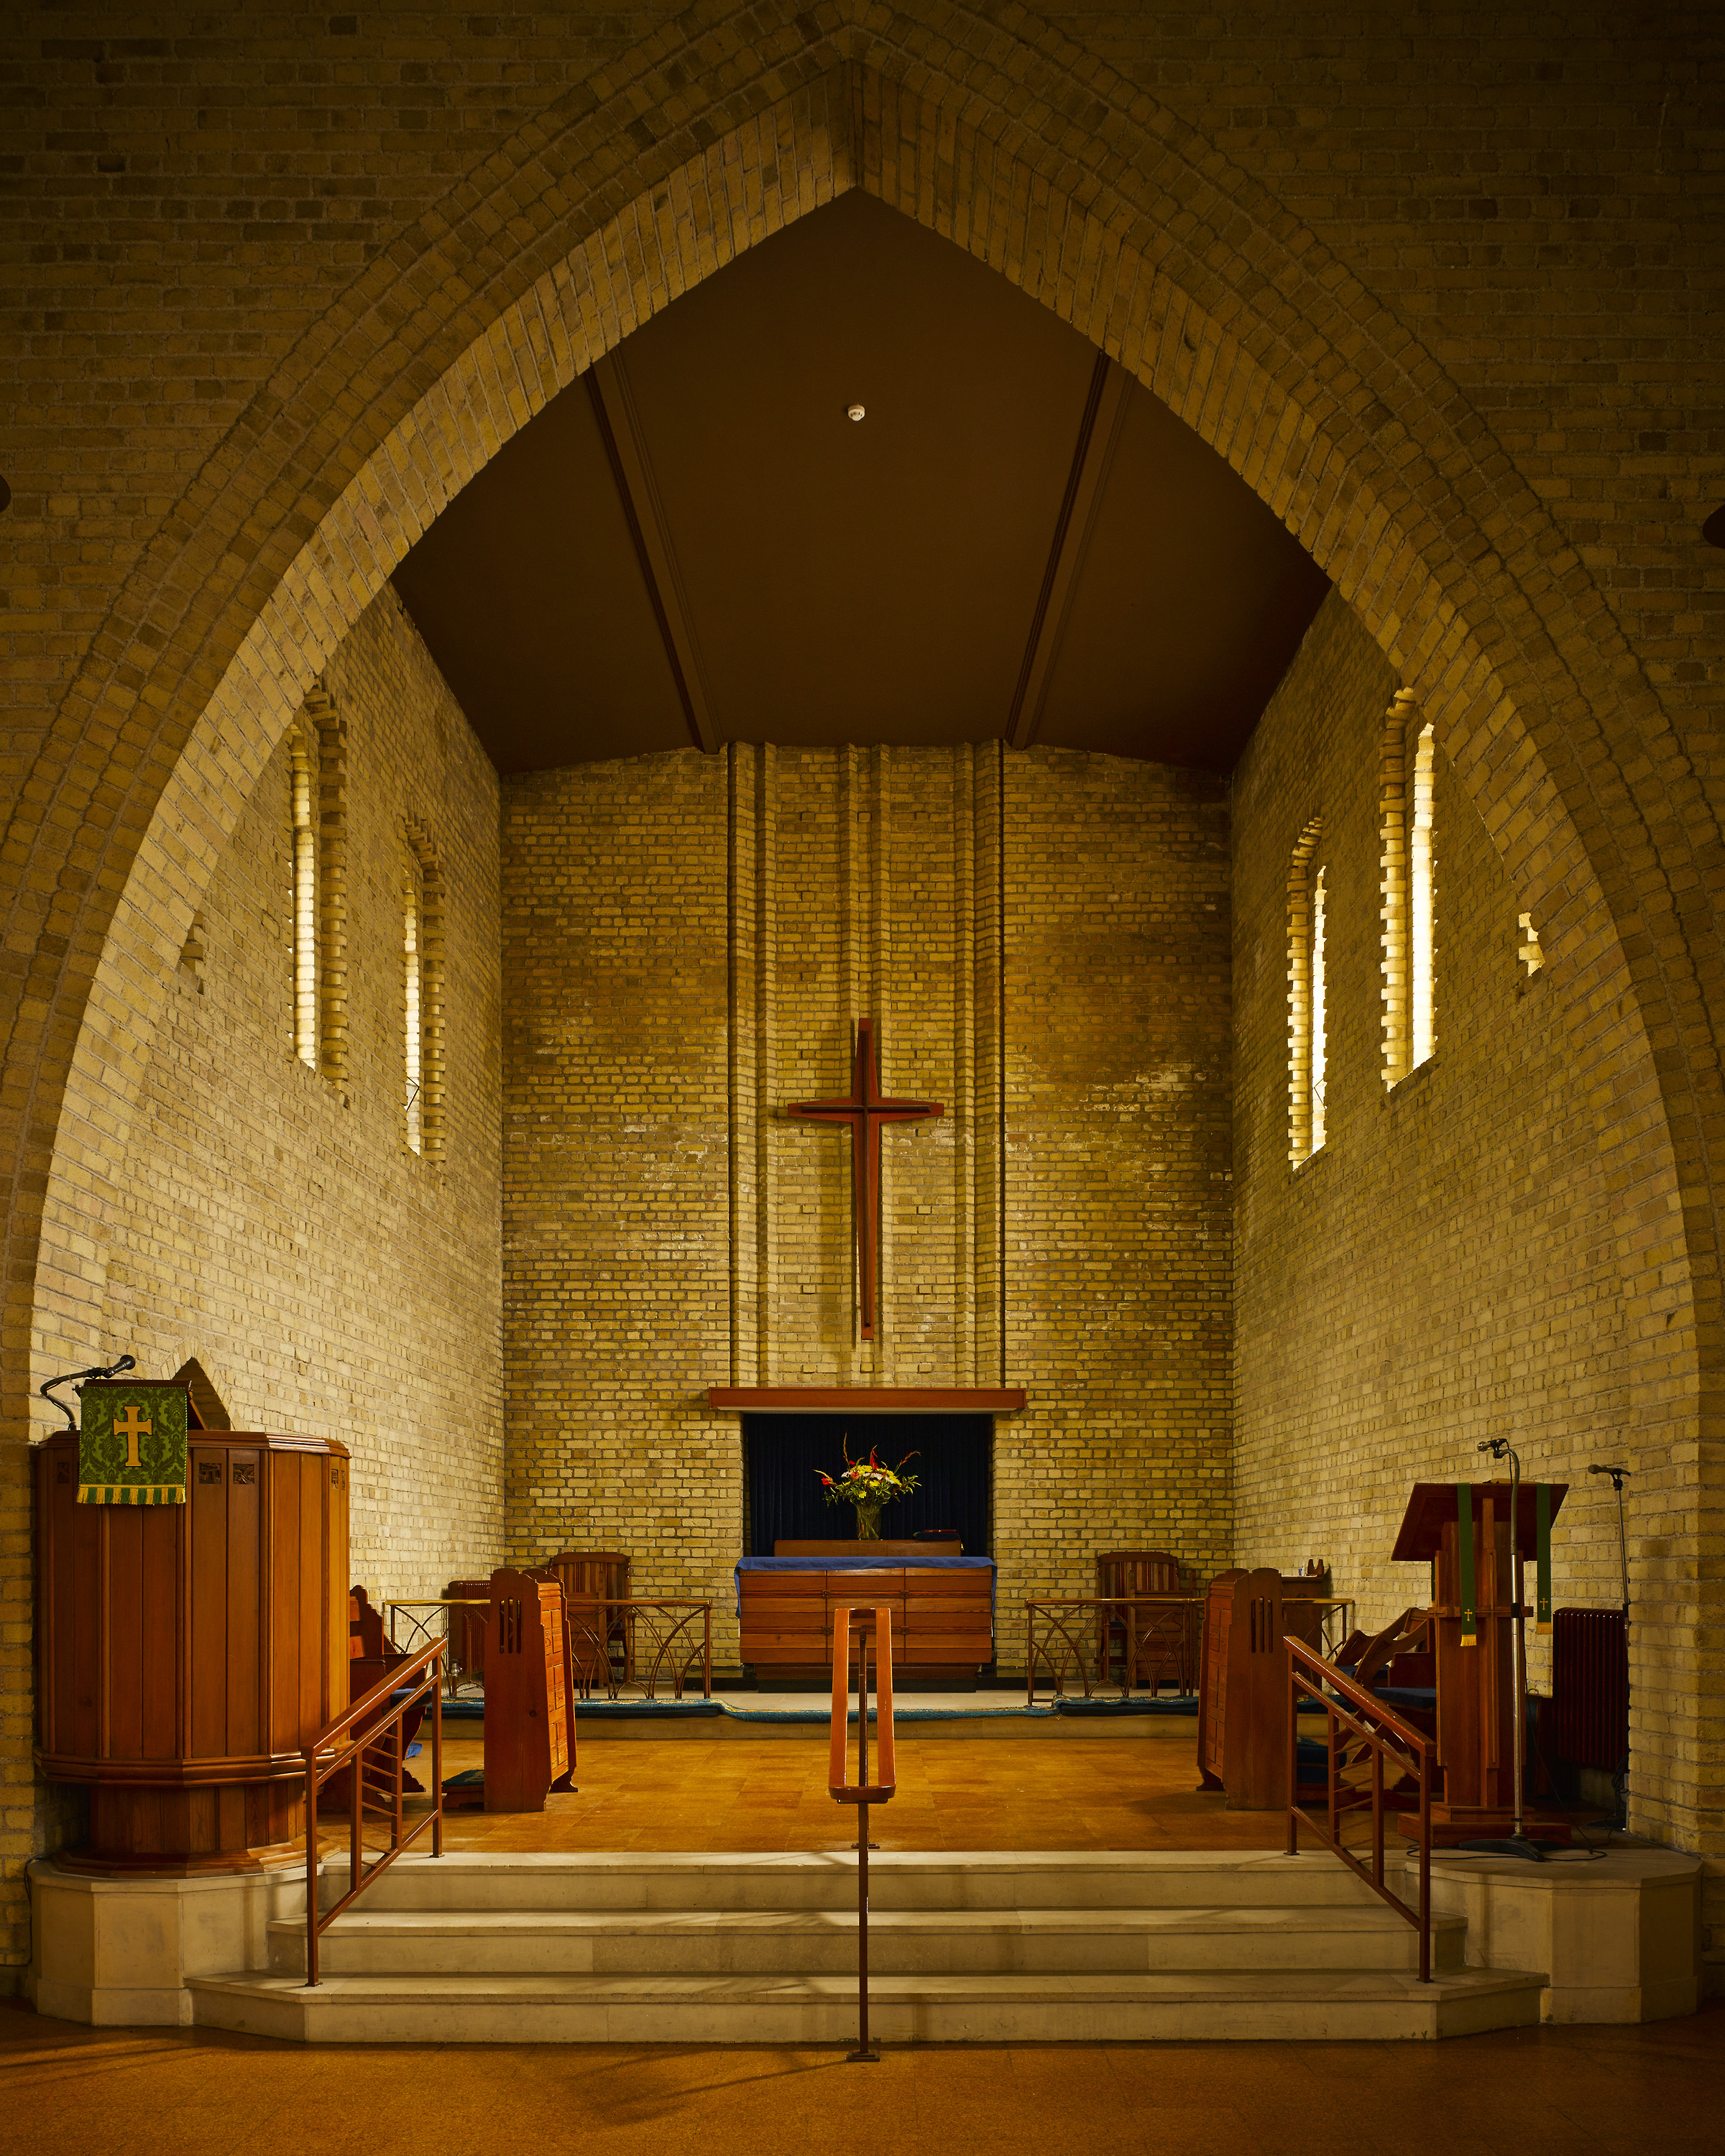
x,y
1590,1686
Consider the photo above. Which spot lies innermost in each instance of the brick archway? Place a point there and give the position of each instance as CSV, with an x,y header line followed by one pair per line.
x,y
1100,203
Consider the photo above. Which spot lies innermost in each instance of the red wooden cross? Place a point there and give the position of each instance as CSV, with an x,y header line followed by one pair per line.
x,y
865,1112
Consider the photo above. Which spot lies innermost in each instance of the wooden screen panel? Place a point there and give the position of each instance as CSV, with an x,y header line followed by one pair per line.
x,y
248,1726
122,1615
1213,1705
163,1555
211,1644
335,1471
304,1471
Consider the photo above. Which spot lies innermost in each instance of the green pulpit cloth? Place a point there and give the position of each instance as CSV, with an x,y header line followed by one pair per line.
x,y
131,1444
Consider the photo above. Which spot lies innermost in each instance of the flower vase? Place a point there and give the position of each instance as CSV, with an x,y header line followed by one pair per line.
x,y
868,1523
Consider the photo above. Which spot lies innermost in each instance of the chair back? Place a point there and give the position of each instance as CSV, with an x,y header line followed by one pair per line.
x,y
467,1628
592,1575
1138,1572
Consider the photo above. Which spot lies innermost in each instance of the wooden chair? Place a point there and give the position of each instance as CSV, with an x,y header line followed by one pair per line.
x,y
599,1639
1165,1639
467,1628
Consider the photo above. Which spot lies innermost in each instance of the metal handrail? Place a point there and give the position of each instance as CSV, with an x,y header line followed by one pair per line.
x,y
359,1877
1104,1603
862,1793
412,1602
1384,1732
599,1638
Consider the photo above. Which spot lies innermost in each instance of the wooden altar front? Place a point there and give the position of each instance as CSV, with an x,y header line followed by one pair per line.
x,y
943,1613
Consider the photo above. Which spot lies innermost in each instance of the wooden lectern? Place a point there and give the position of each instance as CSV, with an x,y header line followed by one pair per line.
x,y
1243,1691
1476,1684
530,1707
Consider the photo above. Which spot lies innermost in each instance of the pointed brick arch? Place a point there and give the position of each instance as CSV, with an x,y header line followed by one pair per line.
x,y
1075,184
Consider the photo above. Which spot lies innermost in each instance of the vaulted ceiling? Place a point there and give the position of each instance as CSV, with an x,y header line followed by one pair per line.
x,y
694,542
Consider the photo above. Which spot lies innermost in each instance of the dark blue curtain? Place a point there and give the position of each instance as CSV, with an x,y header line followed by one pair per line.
x,y
783,1457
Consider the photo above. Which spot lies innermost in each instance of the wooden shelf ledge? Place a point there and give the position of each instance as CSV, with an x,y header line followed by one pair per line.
x,y
865,1399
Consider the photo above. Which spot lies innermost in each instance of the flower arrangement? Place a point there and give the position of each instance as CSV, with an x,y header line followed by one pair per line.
x,y
868,1484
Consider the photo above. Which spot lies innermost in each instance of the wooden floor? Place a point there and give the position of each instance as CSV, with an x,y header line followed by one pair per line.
x,y
954,1793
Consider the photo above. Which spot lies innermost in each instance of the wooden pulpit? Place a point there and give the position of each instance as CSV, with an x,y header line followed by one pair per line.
x,y
530,1707
1243,1691
185,1652
1476,1682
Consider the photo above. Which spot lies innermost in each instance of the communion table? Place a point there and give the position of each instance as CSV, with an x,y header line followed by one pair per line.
x,y
942,1612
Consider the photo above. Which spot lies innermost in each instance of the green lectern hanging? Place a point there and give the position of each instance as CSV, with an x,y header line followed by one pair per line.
x,y
131,1444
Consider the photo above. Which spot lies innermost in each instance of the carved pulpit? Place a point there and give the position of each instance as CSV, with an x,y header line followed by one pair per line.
x,y
188,1645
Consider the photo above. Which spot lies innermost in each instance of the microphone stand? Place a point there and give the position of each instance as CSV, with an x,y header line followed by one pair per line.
x,y
1518,1844
1620,1776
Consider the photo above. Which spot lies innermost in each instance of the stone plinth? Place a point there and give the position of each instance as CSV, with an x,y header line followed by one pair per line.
x,y
122,1951
1619,1936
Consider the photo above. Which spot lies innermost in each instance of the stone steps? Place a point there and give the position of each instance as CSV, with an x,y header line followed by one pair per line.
x,y
1177,2006
1037,1946
821,1942
898,1879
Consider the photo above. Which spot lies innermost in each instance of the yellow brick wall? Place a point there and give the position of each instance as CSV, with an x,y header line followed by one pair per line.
x,y
1438,292
686,943
1448,1267
272,1223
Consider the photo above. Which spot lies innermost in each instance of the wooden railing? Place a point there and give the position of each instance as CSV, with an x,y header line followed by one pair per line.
x,y
862,1793
649,1631
421,1625
1362,1736
382,1735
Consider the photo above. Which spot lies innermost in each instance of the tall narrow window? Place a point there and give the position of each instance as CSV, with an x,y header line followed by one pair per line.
x,y
411,1024
1307,1031
304,898
423,906
1422,1038
1528,951
1320,1046
1392,882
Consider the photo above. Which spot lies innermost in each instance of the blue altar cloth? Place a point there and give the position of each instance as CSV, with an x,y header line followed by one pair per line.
x,y
864,1564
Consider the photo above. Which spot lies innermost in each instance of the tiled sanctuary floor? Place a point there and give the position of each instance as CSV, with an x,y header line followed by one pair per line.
x,y
994,1793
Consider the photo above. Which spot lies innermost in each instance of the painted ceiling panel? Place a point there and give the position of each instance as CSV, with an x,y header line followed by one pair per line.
x,y
826,581
1189,605
529,596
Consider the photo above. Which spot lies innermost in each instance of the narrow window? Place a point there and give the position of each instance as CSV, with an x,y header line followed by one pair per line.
x,y
305,900
1319,1042
1529,952
411,1024
1306,1043
1422,1037
330,733
424,903
1392,882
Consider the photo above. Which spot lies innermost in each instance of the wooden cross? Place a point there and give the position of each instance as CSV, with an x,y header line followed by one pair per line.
x,y
866,1111
131,1429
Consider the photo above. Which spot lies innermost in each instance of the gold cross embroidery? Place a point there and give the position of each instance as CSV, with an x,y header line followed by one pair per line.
x,y
131,1429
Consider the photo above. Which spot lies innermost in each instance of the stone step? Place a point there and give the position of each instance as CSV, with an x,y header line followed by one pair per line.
x,y
901,1943
1230,2004
774,1879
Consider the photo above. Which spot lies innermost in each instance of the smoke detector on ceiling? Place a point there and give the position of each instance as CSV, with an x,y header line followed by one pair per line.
x,y
856,411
